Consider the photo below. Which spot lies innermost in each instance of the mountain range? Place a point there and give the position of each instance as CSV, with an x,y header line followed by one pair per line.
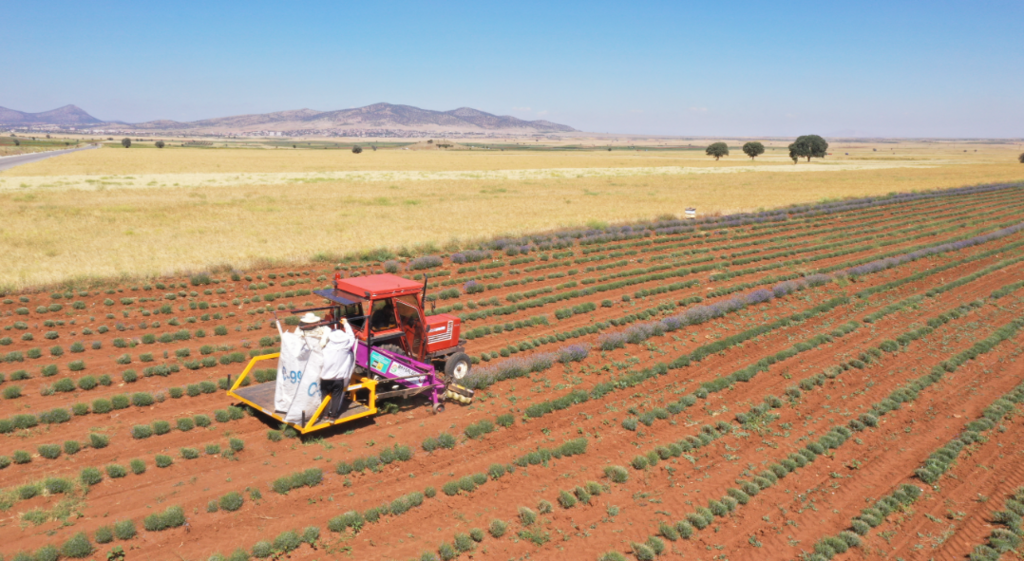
x,y
376,116
69,115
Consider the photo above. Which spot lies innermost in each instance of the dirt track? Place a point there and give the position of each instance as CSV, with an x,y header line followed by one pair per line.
x,y
8,162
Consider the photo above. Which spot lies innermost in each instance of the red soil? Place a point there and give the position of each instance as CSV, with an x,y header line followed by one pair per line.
x,y
780,517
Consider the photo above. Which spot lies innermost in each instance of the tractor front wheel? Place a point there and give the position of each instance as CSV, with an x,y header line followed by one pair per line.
x,y
457,367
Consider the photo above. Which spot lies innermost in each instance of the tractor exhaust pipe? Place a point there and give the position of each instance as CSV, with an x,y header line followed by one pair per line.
x,y
424,299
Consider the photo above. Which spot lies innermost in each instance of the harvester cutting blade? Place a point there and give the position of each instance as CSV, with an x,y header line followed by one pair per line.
x,y
463,391
458,393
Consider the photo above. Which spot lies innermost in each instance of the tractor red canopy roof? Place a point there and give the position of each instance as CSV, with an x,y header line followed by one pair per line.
x,y
382,285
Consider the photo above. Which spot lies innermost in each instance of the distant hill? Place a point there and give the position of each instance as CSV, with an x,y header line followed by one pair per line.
x,y
69,115
377,116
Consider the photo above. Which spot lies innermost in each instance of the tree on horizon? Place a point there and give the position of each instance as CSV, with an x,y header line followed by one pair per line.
x,y
808,146
753,149
717,150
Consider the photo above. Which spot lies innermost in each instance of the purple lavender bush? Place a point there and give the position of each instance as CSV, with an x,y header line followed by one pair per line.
x,y
573,353
425,262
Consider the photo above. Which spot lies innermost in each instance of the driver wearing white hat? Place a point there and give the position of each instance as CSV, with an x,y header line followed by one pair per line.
x,y
314,335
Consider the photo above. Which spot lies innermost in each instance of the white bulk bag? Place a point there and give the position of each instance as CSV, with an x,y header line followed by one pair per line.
x,y
290,366
307,392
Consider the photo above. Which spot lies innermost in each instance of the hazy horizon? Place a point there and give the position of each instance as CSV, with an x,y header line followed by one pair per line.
x,y
870,70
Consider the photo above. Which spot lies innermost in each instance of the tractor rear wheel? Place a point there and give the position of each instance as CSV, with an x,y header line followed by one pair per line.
x,y
457,367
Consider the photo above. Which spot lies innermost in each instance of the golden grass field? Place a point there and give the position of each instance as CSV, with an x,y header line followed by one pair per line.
x,y
138,212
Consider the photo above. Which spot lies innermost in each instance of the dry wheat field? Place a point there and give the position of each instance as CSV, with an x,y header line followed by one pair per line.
x,y
139,212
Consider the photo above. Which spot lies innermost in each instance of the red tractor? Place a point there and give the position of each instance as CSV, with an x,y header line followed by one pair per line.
x,y
388,310
398,349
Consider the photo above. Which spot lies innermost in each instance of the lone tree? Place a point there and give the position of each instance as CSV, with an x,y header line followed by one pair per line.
x,y
159,143
717,150
808,146
126,142
1021,158
17,142
753,149
357,149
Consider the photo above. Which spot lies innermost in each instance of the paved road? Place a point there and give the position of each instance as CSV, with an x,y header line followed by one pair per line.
x,y
8,162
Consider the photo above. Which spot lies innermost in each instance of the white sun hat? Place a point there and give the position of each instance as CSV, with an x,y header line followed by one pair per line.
x,y
310,317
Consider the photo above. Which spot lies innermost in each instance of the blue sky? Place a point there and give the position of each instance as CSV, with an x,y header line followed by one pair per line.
x,y
936,69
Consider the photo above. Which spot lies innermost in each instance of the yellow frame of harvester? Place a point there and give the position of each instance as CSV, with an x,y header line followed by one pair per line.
x,y
366,383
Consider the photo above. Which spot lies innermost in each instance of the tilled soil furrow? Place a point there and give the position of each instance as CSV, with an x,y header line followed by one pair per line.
x,y
985,475
889,459
727,325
